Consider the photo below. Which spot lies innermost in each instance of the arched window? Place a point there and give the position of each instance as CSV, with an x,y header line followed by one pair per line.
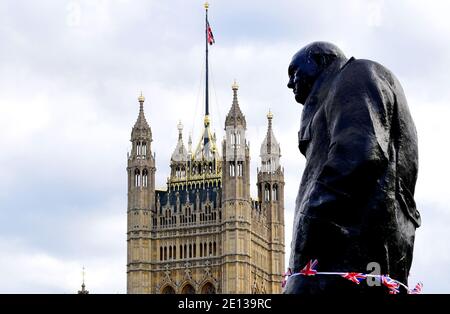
x,y
185,251
165,253
239,169
160,253
210,248
181,251
174,252
208,288
190,250
195,249
275,193
201,250
188,289
170,252
205,252
238,138
267,193
232,169
144,149
137,177
144,178
214,249
233,139
168,290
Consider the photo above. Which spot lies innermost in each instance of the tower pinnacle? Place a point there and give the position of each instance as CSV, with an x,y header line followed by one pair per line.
x,y
83,286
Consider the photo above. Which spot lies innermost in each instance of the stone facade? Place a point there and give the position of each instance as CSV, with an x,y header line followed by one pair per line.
x,y
204,233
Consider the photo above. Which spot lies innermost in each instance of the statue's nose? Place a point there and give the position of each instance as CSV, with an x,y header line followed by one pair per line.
x,y
290,84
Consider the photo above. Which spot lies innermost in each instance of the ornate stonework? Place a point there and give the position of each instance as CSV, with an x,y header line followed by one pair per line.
x,y
205,234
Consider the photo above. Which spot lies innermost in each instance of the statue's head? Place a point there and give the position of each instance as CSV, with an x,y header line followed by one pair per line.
x,y
307,65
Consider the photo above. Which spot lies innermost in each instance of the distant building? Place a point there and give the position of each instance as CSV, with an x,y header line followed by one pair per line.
x,y
83,287
204,233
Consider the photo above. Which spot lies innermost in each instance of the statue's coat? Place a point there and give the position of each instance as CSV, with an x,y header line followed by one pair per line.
x,y
355,203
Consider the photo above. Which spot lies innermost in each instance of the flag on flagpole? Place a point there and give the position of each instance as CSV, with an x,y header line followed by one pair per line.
x,y
210,34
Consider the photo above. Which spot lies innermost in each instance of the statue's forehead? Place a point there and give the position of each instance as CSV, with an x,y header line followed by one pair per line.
x,y
299,59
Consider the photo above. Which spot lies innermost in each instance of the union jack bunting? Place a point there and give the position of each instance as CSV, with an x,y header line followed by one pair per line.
x,y
389,282
392,284
309,270
394,291
354,277
286,274
417,289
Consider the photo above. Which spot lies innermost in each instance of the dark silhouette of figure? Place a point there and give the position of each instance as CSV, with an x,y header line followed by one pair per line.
x,y
355,204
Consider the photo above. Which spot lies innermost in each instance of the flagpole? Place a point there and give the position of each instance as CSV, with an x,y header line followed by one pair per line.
x,y
206,77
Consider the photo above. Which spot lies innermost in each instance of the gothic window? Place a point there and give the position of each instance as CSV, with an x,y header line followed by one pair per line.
x,y
181,251
144,178
188,289
275,193
208,288
168,290
174,252
233,139
201,250
195,250
160,253
238,138
137,177
185,251
210,248
205,253
239,169
232,169
267,193
190,250
138,148
170,252
144,149
165,253
214,249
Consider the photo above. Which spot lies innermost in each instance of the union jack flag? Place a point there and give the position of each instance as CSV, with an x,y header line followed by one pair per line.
x,y
354,277
210,34
391,284
286,274
394,291
309,270
417,289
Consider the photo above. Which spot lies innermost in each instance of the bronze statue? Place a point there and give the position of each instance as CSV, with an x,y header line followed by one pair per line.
x,y
355,204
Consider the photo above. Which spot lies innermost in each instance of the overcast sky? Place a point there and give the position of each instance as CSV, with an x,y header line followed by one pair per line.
x,y
70,74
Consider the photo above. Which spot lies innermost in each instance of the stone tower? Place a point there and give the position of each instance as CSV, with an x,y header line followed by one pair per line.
x,y
141,202
204,233
270,185
236,202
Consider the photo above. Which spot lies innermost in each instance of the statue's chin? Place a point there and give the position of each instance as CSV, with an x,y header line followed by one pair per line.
x,y
300,99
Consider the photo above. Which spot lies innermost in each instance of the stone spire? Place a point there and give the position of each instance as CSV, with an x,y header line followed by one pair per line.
x,y
83,286
270,149
141,129
180,153
235,116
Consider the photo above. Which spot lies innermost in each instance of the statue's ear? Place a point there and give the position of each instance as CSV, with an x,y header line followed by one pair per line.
x,y
323,60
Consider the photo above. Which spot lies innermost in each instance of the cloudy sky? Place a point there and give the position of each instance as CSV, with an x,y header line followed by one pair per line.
x,y
70,74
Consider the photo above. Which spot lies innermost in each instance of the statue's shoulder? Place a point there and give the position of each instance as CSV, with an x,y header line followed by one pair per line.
x,y
367,71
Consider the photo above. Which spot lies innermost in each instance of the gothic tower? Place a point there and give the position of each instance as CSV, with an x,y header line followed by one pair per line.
x,y
236,202
141,199
270,185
